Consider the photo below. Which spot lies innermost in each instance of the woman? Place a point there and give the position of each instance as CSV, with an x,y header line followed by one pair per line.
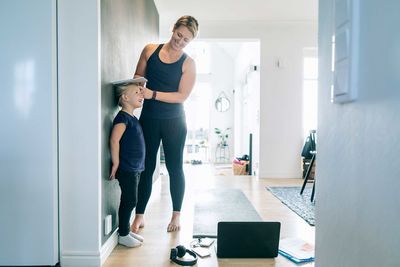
x,y
171,76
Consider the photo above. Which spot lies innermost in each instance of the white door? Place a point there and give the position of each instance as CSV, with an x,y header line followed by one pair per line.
x,y
28,146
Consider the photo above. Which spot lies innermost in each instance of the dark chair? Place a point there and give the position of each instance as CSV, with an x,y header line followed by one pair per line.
x,y
312,150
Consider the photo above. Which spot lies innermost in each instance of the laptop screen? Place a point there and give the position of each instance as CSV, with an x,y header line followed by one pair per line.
x,y
248,239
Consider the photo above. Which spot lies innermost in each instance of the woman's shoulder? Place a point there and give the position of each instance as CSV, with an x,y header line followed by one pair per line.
x,y
189,63
149,49
189,59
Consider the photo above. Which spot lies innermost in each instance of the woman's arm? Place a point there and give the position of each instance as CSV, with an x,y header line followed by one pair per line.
x,y
185,85
142,63
116,135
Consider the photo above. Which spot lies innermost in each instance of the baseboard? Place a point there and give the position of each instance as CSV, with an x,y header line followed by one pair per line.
x,y
80,259
279,175
109,246
90,258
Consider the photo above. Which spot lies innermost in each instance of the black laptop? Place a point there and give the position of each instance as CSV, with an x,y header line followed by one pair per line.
x,y
248,239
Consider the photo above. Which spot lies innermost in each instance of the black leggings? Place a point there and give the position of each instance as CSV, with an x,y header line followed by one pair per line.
x,y
172,133
128,181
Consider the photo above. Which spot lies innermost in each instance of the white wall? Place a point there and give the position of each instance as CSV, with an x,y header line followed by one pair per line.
x,y
79,132
230,62
357,193
280,89
221,78
247,102
28,146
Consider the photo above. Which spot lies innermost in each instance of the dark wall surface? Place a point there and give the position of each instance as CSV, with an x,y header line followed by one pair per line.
x,y
126,27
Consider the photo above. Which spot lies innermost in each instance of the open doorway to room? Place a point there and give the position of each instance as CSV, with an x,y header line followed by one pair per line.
x,y
198,124
223,109
310,90
310,110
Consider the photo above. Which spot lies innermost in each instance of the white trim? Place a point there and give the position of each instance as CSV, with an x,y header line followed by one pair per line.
x,y
79,150
279,175
76,253
109,246
79,258
90,258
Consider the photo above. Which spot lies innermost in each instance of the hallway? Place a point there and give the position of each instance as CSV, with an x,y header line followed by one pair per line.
x,y
156,248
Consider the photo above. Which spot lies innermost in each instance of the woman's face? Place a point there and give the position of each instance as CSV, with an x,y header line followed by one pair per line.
x,y
180,38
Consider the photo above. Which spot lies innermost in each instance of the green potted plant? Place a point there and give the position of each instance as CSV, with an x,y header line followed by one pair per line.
x,y
222,135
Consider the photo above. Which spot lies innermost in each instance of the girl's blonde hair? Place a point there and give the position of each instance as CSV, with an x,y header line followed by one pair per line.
x,y
189,22
122,89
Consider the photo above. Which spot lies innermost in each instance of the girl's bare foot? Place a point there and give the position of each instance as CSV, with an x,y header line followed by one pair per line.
x,y
138,222
174,224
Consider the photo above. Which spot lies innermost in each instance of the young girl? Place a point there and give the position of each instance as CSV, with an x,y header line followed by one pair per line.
x,y
127,154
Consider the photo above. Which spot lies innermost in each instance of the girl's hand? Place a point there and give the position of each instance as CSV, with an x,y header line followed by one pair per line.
x,y
113,171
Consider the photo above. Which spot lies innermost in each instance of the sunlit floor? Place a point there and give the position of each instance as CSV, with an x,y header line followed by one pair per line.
x,y
158,243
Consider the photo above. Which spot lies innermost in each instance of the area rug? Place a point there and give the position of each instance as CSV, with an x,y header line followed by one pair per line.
x,y
217,205
300,204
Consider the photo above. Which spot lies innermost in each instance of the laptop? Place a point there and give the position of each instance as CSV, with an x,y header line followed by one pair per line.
x,y
248,239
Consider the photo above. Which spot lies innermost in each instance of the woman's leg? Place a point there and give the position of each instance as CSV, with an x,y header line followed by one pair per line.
x,y
152,139
173,134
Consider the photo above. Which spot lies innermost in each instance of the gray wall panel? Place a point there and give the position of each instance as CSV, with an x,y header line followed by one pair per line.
x,y
126,27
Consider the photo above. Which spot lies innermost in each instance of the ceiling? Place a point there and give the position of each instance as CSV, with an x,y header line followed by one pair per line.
x,y
238,10
214,11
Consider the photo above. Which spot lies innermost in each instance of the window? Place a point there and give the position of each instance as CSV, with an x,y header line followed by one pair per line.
x,y
310,91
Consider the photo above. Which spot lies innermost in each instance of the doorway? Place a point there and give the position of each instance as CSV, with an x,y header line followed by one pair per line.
x,y
223,108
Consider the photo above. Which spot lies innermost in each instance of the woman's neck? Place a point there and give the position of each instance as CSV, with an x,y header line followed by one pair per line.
x,y
170,51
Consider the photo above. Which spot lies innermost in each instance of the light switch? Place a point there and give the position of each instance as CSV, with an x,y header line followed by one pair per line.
x,y
341,78
342,45
107,224
345,82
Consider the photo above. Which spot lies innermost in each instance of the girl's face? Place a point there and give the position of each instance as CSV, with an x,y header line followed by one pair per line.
x,y
180,38
134,96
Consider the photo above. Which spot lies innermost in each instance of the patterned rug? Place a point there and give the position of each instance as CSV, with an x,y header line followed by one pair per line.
x,y
300,204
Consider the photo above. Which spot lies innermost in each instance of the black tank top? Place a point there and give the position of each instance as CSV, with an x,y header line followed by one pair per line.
x,y
163,77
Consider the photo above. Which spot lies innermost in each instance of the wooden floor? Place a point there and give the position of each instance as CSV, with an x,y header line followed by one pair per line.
x,y
156,247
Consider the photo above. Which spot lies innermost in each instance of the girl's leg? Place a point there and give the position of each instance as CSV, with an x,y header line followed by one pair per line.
x,y
128,182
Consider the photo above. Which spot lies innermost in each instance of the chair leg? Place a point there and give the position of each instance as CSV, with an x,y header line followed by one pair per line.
x,y
313,191
307,174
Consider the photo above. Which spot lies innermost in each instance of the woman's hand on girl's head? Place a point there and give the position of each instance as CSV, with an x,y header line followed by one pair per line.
x,y
147,93
142,84
141,89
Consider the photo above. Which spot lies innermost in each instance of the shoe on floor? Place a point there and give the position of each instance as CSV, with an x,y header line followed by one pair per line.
x,y
136,236
129,241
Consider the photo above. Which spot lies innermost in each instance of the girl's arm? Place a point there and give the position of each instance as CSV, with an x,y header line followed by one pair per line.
x,y
116,134
185,86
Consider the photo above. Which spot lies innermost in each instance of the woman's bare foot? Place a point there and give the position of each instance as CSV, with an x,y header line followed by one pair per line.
x,y
138,222
174,224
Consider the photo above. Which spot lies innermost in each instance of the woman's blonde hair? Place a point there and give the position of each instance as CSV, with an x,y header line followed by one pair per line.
x,y
189,22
